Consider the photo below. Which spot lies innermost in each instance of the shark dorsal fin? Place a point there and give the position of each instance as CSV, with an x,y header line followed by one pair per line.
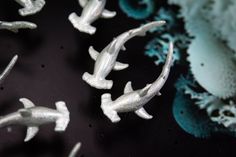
x,y
31,132
144,91
82,3
93,53
27,103
128,87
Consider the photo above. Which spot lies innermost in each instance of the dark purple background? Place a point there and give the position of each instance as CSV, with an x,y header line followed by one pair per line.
x,y
51,62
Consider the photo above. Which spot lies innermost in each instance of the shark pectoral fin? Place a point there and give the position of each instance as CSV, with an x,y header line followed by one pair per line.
x,y
143,114
144,91
93,53
120,66
128,87
158,94
25,112
27,103
108,14
82,3
31,132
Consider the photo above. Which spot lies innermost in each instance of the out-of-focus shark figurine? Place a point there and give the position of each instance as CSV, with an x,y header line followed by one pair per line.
x,y
33,117
106,60
30,6
8,68
92,10
135,100
15,26
75,150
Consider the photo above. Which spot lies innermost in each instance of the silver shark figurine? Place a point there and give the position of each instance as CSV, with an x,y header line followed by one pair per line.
x,y
15,26
92,10
75,150
8,68
135,100
30,6
106,60
32,117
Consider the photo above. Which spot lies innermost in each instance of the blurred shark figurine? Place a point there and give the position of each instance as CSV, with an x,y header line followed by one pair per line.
x,y
15,26
75,150
92,10
106,60
8,68
33,117
30,6
135,100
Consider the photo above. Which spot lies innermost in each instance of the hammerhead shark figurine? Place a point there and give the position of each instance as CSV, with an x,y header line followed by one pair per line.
x,y
106,60
8,68
92,10
16,25
33,116
135,100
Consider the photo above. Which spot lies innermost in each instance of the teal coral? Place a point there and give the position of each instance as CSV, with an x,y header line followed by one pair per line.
x,y
137,9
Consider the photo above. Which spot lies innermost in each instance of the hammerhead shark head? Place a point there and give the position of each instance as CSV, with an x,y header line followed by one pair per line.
x,y
30,6
135,100
32,117
106,60
8,68
92,10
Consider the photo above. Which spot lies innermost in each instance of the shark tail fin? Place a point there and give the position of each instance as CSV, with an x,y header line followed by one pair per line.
x,y
62,122
107,110
97,83
80,25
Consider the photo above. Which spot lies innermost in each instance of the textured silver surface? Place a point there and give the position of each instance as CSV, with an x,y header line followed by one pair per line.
x,y
75,150
8,68
32,117
30,6
106,60
135,100
92,10
15,26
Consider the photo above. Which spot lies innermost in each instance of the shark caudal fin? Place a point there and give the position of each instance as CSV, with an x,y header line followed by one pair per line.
x,y
97,83
107,110
62,122
80,25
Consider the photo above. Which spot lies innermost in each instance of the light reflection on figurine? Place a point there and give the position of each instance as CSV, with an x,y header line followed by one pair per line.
x,y
30,6
135,100
92,10
33,117
15,26
106,60
8,68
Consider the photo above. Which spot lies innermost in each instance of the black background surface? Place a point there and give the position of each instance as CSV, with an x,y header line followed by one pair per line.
x,y
51,62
